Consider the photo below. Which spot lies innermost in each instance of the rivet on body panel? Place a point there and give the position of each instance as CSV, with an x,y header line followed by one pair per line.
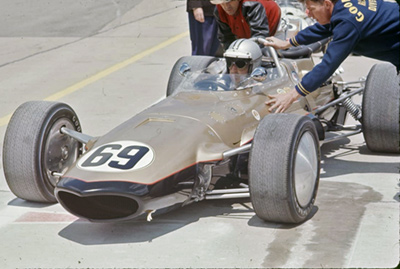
x,y
256,115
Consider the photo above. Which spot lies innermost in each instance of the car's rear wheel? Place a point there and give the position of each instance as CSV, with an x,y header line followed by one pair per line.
x,y
284,168
35,150
195,63
380,109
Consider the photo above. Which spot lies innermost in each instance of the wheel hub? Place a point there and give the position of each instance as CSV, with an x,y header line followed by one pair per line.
x,y
306,169
61,151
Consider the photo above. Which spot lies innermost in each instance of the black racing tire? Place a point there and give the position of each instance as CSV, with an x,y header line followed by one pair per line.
x,y
34,147
195,62
380,109
284,168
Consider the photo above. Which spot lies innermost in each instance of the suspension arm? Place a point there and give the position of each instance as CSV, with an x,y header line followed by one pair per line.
x,y
340,99
76,135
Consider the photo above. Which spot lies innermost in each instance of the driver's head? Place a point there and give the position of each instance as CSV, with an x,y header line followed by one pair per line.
x,y
242,56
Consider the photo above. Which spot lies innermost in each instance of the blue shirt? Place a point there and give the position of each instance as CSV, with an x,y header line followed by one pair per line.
x,y
367,27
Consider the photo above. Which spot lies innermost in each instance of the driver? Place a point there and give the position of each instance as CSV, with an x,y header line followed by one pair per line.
x,y
242,57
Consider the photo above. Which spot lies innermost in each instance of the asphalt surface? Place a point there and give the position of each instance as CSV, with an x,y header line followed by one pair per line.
x,y
111,59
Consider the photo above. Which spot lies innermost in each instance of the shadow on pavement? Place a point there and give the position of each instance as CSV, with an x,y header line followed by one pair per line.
x,y
330,233
22,203
333,165
137,231
337,216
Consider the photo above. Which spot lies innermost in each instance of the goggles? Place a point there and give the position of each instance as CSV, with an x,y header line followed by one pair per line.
x,y
240,63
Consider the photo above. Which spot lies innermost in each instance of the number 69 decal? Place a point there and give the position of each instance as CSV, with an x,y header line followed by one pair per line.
x,y
117,157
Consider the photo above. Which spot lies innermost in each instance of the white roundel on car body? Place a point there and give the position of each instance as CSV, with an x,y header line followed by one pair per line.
x,y
119,156
256,115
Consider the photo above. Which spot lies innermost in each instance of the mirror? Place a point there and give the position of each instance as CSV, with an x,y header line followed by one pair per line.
x,y
185,68
259,74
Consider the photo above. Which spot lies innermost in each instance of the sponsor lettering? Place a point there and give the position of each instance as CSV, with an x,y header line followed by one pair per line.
x,y
372,5
359,16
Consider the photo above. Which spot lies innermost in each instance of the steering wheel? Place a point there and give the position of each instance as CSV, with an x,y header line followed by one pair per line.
x,y
210,85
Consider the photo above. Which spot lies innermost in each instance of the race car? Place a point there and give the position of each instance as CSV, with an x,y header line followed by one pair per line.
x,y
212,137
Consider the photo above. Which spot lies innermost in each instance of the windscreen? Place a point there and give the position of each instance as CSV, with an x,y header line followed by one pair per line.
x,y
201,81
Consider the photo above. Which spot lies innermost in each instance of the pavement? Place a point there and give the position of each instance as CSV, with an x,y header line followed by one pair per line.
x,y
110,60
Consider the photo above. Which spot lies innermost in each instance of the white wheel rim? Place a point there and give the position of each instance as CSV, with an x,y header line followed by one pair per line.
x,y
305,171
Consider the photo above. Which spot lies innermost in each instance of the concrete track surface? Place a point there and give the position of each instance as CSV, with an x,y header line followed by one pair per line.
x,y
111,59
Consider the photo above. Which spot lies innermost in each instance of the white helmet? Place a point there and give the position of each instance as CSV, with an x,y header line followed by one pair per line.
x,y
246,50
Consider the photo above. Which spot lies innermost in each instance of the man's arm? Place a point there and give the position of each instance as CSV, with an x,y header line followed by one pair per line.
x,y
345,38
255,15
225,35
196,6
311,34
195,3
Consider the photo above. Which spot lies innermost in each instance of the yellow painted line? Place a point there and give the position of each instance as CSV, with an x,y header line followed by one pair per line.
x,y
4,120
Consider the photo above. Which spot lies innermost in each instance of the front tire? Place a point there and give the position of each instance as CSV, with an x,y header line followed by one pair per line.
x,y
284,168
380,109
34,148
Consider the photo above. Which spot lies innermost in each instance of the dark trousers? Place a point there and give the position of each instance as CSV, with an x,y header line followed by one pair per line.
x,y
203,35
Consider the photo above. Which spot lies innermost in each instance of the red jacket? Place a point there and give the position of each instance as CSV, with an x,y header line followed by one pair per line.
x,y
254,18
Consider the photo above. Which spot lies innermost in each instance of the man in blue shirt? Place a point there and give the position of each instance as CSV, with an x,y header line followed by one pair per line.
x,y
367,27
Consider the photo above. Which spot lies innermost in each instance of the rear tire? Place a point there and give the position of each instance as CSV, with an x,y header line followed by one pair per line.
x,y
195,62
284,168
380,109
34,147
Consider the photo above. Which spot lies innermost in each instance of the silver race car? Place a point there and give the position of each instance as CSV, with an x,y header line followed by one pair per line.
x,y
212,137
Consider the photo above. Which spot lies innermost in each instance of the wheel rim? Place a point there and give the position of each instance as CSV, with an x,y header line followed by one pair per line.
x,y
305,171
61,151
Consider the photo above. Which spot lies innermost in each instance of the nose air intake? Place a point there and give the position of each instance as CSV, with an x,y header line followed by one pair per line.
x,y
99,207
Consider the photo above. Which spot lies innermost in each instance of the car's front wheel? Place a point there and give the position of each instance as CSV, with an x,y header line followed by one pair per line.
x,y
284,168
380,109
35,152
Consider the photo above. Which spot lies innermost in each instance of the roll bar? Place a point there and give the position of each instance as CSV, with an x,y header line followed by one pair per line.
x,y
303,51
273,54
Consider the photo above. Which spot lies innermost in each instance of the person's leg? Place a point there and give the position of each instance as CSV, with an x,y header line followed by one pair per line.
x,y
196,38
210,40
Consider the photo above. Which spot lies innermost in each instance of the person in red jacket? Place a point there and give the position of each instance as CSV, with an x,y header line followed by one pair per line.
x,y
245,19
